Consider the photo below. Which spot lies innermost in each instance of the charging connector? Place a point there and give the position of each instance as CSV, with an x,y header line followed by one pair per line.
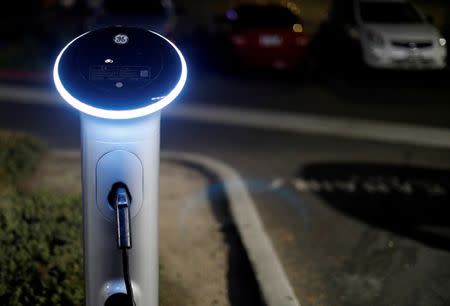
x,y
123,218
120,199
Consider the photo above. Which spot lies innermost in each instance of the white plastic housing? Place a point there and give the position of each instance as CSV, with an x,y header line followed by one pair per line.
x,y
127,151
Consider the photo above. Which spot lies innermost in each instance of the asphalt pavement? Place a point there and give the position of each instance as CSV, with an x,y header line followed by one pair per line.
x,y
416,97
354,222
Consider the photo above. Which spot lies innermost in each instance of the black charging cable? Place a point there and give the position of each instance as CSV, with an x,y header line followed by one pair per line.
x,y
122,201
127,278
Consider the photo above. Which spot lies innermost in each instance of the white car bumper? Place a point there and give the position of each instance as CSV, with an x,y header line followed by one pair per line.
x,y
394,57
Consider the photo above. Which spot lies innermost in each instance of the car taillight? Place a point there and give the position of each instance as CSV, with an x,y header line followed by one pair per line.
x,y
239,40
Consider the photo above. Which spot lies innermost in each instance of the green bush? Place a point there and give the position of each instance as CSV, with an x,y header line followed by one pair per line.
x,y
19,156
41,252
40,234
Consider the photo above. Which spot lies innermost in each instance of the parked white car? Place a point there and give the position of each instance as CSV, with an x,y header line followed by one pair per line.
x,y
394,34
383,34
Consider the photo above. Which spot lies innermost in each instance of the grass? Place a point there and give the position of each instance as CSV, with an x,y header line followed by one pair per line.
x,y
41,258
40,236
19,157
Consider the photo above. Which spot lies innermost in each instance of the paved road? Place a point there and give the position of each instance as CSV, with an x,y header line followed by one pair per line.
x,y
410,97
312,193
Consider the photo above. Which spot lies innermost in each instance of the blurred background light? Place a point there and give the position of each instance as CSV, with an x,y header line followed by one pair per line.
x,y
298,28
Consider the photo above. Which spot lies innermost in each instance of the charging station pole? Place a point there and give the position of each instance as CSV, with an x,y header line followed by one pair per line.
x,y
120,78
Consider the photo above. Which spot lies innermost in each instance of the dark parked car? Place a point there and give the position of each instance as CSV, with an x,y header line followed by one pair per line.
x,y
270,36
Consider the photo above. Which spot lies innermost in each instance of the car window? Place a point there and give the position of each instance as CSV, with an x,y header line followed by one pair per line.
x,y
134,7
389,12
264,16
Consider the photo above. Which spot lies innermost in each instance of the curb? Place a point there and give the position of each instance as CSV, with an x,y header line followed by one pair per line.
x,y
271,277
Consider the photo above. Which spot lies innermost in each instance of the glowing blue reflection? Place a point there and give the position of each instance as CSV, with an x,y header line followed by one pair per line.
x,y
215,193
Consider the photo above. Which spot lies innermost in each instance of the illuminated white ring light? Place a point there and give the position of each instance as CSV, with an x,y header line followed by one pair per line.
x,y
122,114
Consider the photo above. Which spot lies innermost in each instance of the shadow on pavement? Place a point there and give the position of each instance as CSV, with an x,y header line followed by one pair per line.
x,y
243,289
410,201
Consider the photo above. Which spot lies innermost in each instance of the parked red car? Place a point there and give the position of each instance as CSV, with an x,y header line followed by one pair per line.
x,y
266,36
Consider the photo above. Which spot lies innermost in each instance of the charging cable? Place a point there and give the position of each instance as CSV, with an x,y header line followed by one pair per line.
x,y
122,203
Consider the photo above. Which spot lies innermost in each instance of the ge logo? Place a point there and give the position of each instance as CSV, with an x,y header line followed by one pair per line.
x,y
120,39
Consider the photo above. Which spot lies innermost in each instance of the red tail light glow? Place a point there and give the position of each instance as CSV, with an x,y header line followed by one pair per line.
x,y
301,41
239,40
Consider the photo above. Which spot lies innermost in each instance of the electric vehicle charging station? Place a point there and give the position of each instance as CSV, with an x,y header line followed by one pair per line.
x,y
120,78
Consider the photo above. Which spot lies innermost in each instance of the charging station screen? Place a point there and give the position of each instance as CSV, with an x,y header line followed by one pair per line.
x,y
120,68
119,73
